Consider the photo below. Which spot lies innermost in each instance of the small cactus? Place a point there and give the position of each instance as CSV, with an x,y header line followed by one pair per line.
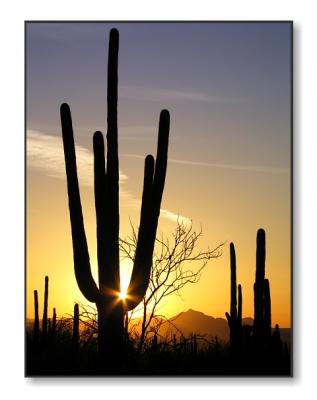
x,y
36,326
44,321
75,337
235,317
262,299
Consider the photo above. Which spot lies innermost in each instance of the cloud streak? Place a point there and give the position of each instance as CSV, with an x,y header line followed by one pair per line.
x,y
236,167
45,153
158,94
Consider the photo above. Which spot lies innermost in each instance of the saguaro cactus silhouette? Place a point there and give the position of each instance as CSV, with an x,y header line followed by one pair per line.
x,y
36,326
75,336
110,308
235,316
262,299
44,321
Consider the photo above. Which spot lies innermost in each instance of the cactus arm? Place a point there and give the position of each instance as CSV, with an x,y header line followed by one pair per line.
x,y
143,260
100,201
112,273
151,203
228,318
83,274
161,161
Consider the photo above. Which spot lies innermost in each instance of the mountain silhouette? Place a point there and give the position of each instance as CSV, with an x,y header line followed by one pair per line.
x,y
192,321
196,322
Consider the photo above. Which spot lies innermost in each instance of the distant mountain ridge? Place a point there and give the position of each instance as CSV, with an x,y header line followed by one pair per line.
x,y
192,321
196,322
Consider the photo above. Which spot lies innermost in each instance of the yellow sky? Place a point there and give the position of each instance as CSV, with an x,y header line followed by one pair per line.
x,y
224,209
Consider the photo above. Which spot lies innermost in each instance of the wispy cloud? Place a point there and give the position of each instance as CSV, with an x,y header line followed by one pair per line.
x,y
236,167
165,94
45,153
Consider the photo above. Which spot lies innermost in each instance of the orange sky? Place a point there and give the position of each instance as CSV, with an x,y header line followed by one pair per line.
x,y
49,249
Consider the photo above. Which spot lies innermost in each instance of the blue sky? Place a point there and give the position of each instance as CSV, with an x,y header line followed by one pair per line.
x,y
227,85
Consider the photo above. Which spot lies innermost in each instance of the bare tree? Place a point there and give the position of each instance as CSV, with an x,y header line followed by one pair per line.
x,y
176,263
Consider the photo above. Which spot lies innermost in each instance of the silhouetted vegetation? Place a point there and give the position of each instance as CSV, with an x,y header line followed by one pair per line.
x,y
235,316
110,307
36,325
176,264
176,355
101,341
74,350
255,344
44,320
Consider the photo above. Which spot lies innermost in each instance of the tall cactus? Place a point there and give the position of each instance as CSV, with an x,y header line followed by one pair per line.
x,y
235,316
110,308
36,326
44,320
262,298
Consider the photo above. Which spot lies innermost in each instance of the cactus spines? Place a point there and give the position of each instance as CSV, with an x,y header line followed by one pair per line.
x,y
106,180
36,326
44,321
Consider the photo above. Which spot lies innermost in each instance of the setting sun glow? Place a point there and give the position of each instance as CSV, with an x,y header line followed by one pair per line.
x,y
122,295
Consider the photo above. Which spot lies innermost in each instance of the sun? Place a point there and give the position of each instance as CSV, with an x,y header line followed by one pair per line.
x,y
122,295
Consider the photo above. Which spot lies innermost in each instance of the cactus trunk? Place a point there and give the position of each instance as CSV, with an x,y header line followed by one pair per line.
x,y
235,316
262,298
44,321
36,326
106,175
259,286
267,310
